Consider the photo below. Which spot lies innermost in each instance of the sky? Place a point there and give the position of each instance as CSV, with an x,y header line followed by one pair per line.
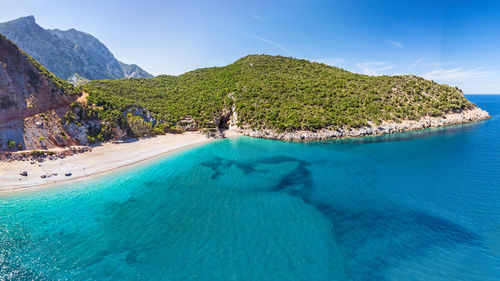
x,y
453,42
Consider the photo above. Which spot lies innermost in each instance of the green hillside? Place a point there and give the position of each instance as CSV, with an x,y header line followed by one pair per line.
x,y
280,93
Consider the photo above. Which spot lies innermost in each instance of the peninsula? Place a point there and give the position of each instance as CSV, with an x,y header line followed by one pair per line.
x,y
284,98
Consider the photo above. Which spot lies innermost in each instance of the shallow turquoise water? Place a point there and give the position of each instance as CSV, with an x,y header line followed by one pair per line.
x,y
416,206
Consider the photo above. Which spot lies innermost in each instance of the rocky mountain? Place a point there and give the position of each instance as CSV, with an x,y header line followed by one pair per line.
x,y
68,53
134,71
32,101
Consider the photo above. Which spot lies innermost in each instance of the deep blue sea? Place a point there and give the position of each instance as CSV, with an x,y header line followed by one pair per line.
x,y
412,206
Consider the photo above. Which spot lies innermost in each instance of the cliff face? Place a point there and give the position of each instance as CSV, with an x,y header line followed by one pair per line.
x,y
32,101
66,53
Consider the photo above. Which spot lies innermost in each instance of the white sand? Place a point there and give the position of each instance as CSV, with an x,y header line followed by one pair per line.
x,y
101,159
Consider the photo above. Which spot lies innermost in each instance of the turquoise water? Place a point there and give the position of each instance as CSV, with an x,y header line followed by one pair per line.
x,y
415,206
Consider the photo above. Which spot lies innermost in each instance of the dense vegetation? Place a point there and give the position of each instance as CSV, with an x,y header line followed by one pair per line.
x,y
280,93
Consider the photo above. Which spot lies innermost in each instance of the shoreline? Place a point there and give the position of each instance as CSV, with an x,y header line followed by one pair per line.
x,y
102,159
109,157
467,116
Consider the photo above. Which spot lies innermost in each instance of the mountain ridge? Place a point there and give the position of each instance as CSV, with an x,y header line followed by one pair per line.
x,y
69,52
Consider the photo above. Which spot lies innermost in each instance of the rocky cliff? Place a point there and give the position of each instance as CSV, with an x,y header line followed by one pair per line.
x,y
70,52
32,101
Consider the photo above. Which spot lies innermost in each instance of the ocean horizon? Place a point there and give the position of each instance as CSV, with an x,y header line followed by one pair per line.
x,y
419,205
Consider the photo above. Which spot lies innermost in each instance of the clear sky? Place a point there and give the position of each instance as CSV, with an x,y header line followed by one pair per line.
x,y
455,42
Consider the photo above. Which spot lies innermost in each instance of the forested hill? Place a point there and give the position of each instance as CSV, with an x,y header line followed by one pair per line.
x,y
281,93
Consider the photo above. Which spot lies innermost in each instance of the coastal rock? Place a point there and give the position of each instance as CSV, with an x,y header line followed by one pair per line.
x,y
222,121
466,116
188,124
214,134
43,155
79,133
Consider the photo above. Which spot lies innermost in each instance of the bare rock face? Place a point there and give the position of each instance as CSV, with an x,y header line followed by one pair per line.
x,y
141,112
79,133
214,134
188,124
119,133
31,103
223,120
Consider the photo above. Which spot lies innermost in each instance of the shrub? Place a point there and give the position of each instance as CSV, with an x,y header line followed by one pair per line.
x,y
69,117
138,126
36,153
11,144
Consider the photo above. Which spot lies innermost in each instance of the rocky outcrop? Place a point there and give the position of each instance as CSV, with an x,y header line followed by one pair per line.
x,y
141,112
466,116
223,119
214,134
69,52
134,71
38,156
187,124
32,103
79,133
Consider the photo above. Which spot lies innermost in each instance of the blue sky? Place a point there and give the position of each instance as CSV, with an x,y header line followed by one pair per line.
x,y
454,42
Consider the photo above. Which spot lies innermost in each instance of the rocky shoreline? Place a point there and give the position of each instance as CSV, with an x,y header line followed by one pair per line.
x,y
466,116
42,155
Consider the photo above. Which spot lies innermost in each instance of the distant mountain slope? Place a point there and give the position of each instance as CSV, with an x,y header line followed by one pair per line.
x,y
32,100
70,52
134,71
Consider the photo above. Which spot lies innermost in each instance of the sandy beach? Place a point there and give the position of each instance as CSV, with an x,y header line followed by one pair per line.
x,y
103,158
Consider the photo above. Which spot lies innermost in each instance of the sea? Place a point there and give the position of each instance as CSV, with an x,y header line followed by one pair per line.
x,y
412,206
